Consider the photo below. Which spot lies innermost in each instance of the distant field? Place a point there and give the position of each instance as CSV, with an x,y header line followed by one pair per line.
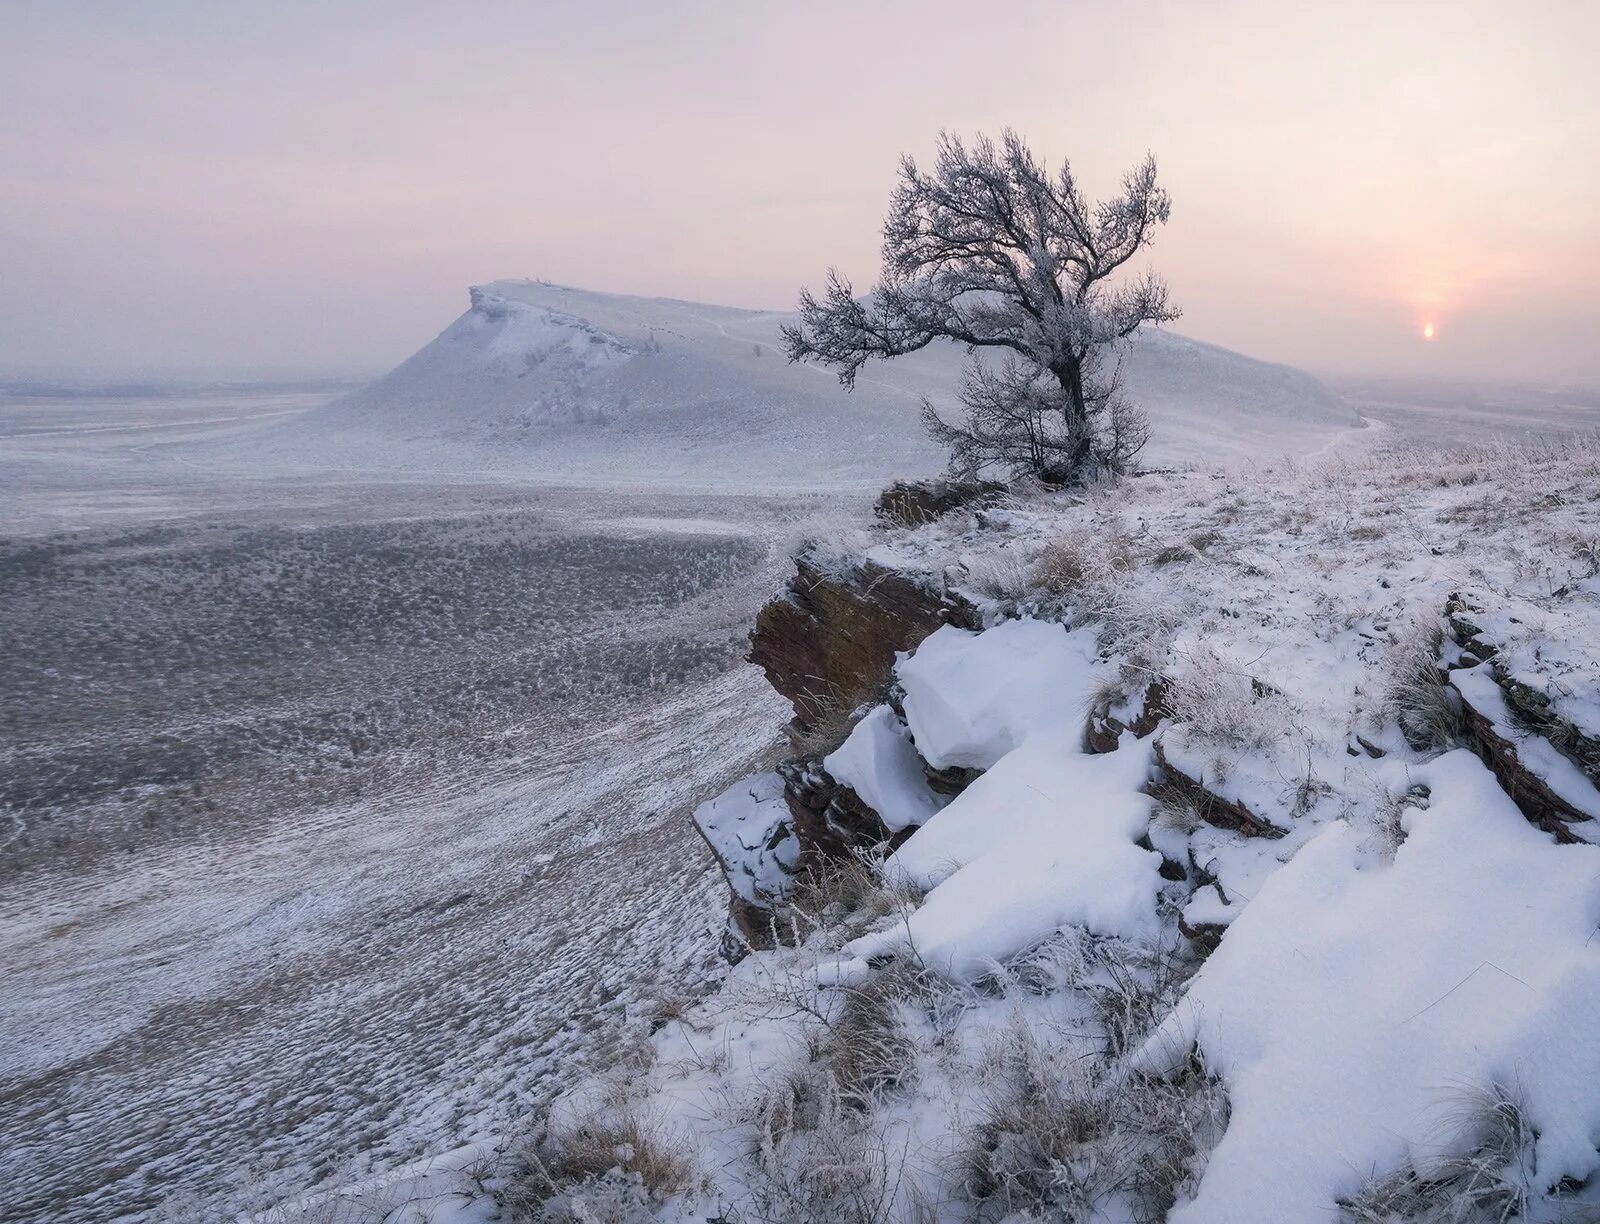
x,y
160,678
339,814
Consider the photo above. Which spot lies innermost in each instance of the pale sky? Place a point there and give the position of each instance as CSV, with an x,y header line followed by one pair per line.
x,y
311,186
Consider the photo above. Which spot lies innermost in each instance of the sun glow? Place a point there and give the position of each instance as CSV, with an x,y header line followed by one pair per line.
x,y
1427,331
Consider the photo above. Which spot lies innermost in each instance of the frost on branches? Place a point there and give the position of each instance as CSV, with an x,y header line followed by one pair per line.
x,y
993,251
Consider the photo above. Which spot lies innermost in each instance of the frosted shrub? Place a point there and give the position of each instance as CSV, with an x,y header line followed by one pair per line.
x,y
613,1197
1226,706
818,1159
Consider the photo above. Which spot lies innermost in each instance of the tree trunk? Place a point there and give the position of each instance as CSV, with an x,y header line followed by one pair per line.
x,y
1077,411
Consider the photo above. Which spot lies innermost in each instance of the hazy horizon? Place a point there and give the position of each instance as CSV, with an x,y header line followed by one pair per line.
x,y
184,189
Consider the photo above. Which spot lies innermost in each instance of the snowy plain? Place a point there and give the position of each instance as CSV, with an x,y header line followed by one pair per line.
x,y
438,851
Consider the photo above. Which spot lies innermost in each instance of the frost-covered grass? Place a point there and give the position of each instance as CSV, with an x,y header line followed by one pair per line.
x,y
1012,1015
613,1162
159,679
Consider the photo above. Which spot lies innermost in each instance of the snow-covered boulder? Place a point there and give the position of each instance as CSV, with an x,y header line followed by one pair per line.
x,y
878,762
750,830
970,698
1047,838
1049,835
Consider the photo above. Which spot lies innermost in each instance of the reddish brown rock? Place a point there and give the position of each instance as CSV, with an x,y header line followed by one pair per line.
x,y
1102,731
828,642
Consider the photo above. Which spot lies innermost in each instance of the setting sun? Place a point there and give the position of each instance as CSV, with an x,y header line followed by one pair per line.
x,y
1427,331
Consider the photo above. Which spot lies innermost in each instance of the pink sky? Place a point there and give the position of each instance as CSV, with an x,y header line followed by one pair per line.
x,y
284,187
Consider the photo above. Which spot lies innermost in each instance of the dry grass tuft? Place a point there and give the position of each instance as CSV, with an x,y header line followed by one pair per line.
x,y
1426,708
1001,576
1172,554
847,895
1224,705
832,716
1490,1180
1068,564
612,1164
1058,1137
870,1047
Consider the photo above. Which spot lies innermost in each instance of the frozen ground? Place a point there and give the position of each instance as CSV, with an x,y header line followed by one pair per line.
x,y
343,816
348,748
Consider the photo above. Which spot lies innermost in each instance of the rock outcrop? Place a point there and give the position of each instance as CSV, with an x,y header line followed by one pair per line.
x,y
911,503
828,642
1548,766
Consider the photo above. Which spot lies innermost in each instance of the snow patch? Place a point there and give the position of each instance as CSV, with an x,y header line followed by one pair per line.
x,y
1353,1002
970,698
878,762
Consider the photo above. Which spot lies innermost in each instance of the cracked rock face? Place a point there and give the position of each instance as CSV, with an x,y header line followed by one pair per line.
x,y
1546,763
828,643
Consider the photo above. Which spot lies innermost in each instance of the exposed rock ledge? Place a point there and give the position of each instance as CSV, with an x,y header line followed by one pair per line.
x,y
828,642
1548,766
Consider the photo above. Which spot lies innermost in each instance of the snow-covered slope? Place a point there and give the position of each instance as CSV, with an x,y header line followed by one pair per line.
x,y
561,382
1263,909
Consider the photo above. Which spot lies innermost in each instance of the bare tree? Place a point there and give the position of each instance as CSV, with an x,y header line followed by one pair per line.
x,y
993,251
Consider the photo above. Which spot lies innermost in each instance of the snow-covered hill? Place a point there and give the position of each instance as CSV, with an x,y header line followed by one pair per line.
x,y
562,382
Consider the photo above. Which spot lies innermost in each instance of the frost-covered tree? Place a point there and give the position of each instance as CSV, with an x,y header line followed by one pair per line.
x,y
992,250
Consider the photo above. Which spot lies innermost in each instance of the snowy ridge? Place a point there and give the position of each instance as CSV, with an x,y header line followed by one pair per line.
x,y
529,337
554,382
1086,986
